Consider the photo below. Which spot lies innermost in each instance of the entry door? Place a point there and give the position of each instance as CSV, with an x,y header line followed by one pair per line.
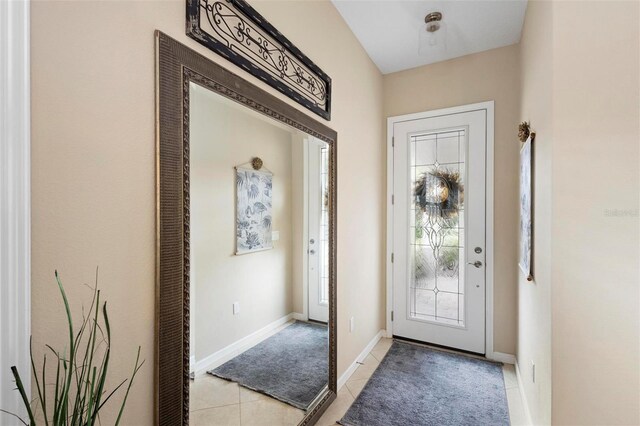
x,y
318,244
439,230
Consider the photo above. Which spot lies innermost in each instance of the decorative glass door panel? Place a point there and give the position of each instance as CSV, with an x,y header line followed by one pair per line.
x,y
317,169
324,227
436,235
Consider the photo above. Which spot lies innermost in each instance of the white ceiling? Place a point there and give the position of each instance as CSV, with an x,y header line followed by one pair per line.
x,y
389,29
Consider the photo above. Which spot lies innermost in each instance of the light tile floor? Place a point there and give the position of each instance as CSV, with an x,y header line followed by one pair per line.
x,y
218,402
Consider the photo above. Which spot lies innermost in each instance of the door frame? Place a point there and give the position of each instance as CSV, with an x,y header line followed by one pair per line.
x,y
489,198
310,140
15,205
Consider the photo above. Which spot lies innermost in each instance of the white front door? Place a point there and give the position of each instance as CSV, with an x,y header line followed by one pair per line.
x,y
318,244
439,229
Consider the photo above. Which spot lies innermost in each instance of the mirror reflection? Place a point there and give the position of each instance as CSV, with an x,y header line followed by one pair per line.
x,y
259,265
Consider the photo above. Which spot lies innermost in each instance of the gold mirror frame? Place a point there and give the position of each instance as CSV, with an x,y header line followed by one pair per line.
x,y
177,66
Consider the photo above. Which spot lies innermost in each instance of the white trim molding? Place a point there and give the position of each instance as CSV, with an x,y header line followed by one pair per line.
x,y
15,204
523,396
489,195
360,358
298,316
502,357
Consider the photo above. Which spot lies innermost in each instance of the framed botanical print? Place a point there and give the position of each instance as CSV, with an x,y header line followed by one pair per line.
x,y
254,197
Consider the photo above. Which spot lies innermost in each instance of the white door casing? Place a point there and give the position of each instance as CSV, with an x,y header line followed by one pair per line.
x,y
15,205
474,332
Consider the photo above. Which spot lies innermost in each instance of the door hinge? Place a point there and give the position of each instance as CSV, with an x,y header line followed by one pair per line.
x,y
393,199
393,141
391,257
391,315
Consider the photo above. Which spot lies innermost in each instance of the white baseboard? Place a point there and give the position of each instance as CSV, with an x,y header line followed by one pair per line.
x,y
223,355
352,368
502,357
299,317
523,396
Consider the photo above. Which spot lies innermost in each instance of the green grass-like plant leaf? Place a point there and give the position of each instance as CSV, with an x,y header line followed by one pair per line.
x,y
81,377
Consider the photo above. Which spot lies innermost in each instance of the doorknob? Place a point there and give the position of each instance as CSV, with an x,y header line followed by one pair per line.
x,y
477,264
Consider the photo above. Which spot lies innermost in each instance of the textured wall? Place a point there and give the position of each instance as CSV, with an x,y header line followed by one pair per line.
x,y
595,294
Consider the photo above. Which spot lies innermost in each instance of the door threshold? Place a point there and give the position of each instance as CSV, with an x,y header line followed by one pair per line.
x,y
439,347
318,322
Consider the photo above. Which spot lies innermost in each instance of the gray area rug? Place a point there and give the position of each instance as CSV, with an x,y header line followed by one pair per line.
x,y
292,365
415,385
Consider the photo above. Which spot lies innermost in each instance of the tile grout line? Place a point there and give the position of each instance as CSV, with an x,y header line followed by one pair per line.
x,y
211,408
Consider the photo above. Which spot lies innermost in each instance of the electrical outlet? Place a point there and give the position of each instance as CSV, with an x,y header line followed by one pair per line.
x,y
352,324
533,371
236,308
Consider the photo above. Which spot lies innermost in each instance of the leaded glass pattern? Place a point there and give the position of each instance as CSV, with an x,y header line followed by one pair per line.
x,y
436,239
324,226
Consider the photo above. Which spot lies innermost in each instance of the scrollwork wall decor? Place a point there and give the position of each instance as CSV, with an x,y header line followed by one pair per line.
x,y
236,31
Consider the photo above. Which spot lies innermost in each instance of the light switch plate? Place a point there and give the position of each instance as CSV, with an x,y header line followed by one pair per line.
x,y
236,308
275,235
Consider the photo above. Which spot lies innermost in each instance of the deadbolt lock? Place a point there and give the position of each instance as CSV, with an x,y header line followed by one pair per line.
x,y
478,250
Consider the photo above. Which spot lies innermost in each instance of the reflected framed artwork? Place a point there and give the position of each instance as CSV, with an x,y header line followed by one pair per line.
x,y
254,198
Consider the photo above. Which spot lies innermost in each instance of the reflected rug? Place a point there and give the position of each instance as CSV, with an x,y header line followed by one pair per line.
x,y
291,366
414,385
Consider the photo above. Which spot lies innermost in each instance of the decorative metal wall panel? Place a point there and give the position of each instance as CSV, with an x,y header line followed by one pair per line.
x,y
236,31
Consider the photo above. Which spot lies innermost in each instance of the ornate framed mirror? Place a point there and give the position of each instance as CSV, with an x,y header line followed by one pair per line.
x,y
207,208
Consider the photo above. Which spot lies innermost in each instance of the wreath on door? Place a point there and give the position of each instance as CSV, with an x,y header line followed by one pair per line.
x,y
439,192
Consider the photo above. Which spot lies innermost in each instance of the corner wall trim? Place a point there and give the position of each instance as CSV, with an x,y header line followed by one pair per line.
x,y
502,357
236,348
523,396
354,365
300,316
15,204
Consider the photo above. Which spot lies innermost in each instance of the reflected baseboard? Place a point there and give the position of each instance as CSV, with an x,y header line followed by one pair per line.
x,y
231,351
360,358
300,317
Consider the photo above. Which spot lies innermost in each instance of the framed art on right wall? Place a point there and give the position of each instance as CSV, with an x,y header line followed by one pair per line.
x,y
526,203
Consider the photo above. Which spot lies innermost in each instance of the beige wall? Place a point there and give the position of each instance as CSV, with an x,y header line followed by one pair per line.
x,y
491,75
534,297
93,163
595,198
224,135
579,319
